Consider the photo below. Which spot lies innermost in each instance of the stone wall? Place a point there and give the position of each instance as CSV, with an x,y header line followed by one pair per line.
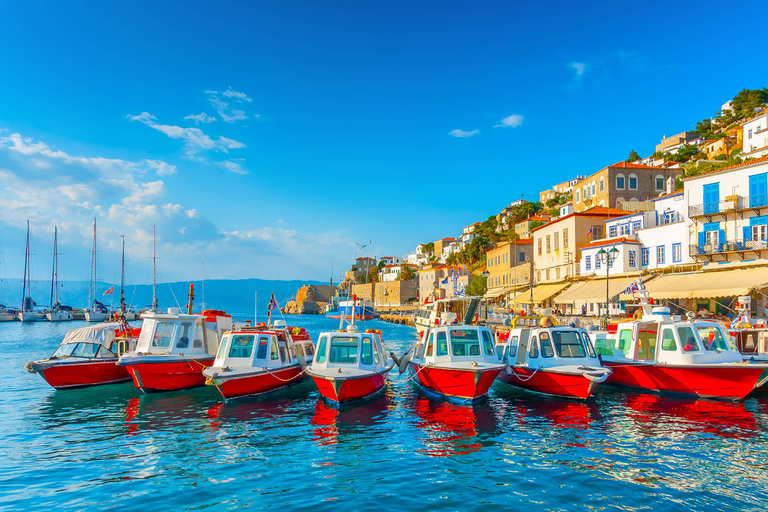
x,y
395,293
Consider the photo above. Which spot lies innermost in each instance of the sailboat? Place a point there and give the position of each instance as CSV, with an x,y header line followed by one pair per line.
x,y
58,312
127,314
26,313
96,311
154,308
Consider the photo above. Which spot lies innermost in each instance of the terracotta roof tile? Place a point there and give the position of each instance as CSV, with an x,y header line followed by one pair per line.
x,y
611,241
735,166
594,211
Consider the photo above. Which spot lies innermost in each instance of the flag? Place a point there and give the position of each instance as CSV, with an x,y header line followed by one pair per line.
x,y
272,304
590,230
631,289
444,281
109,291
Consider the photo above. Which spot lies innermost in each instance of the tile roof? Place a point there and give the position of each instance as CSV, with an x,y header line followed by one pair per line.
x,y
611,241
664,196
633,166
591,212
735,166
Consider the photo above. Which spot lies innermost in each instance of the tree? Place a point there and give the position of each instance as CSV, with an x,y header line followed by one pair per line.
x,y
477,287
430,247
746,101
633,156
687,151
407,273
373,275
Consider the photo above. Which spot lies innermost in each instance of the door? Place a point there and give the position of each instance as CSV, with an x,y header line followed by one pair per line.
x,y
522,348
712,240
758,190
711,198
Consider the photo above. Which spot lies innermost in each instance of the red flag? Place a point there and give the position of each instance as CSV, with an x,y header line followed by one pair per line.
x,y
109,291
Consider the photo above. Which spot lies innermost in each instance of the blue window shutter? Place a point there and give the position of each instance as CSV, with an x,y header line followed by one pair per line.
x,y
703,238
747,233
721,236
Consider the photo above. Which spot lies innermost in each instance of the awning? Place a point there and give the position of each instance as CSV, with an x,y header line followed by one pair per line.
x,y
594,290
729,283
493,292
540,293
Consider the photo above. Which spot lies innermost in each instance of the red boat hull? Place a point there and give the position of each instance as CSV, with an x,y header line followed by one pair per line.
x,y
262,382
729,382
344,390
91,373
467,384
567,385
169,376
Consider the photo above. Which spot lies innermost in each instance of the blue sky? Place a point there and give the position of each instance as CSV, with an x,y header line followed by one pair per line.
x,y
264,138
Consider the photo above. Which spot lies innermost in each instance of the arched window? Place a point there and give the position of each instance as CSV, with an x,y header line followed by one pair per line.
x,y
619,200
602,184
634,199
620,182
633,182
578,196
594,188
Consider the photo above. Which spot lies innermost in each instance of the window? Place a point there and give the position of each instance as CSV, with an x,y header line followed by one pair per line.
x,y
366,352
183,341
546,345
597,262
430,345
750,133
273,355
594,189
632,182
758,190
442,344
660,254
565,238
521,256
677,253
241,346
624,229
612,231
668,341
711,198
620,181
533,352
85,350
163,335
488,343
712,338
625,339
588,344
548,244
588,263
568,344
320,349
547,274
645,256
344,350
687,339
602,184
631,258
659,182
557,241
465,342
636,225
578,196
758,232
539,246
712,239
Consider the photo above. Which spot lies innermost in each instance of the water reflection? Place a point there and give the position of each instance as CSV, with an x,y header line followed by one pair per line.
x,y
450,428
82,406
330,421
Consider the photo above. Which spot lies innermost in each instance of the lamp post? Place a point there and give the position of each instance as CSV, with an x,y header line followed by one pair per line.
x,y
485,275
607,258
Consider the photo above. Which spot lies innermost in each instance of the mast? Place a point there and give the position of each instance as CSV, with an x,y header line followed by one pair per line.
x,y
92,289
55,270
203,285
154,273
122,278
26,266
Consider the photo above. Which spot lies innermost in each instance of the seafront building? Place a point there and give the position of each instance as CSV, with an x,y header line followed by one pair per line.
x,y
755,132
508,266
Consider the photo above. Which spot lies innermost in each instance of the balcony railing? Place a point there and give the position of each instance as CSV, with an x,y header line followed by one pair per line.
x,y
738,203
729,246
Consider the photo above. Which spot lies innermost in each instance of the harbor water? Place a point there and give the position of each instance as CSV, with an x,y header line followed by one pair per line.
x,y
112,447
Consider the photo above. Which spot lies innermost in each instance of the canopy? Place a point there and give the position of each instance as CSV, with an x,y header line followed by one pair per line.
x,y
493,292
594,290
540,293
709,284
103,334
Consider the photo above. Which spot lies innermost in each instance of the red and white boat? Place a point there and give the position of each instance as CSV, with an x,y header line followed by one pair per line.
x,y
254,360
665,354
456,361
750,335
87,357
174,348
543,357
350,364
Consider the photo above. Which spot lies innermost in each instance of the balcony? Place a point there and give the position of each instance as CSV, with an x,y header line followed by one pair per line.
x,y
729,249
736,204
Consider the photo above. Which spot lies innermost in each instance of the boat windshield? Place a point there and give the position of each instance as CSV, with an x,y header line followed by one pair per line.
x,y
366,354
488,343
86,350
465,342
568,344
320,349
163,335
712,337
223,346
241,346
344,349
688,339
588,343
64,350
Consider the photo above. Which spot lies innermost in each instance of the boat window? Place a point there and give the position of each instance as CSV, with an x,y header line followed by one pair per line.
x,y
419,353
513,346
465,342
273,355
105,352
546,345
241,346
344,349
712,338
588,343
646,341
534,350
64,350
429,345
668,340
310,350
748,340
376,349
86,350
321,349
442,344
283,351
688,339
292,348
199,339
625,340
366,351
488,343
568,343
163,335
223,347
183,341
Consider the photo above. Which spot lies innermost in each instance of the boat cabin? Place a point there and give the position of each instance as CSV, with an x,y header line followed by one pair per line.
x,y
264,347
662,338
93,342
445,345
548,347
175,333
351,349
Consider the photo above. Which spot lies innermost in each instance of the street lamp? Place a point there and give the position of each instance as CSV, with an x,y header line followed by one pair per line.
x,y
607,258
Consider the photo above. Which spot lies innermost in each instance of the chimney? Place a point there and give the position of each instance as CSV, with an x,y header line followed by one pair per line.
x,y
670,185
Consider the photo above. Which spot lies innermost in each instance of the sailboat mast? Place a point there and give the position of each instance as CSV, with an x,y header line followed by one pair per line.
x,y
54,270
92,288
26,265
154,272
122,278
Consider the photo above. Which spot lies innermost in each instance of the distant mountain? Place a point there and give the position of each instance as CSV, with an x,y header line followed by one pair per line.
x,y
236,296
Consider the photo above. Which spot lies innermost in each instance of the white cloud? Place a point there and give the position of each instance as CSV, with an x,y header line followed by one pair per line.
x,y
228,113
579,67
512,121
229,93
202,117
235,165
461,133
195,140
161,168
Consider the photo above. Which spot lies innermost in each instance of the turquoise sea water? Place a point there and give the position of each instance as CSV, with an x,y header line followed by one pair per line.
x,y
113,447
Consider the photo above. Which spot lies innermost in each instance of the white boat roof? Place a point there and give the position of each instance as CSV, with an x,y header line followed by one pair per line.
x,y
102,334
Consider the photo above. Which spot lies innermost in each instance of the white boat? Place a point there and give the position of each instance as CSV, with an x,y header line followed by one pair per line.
x,y
96,311
445,312
27,313
6,314
59,315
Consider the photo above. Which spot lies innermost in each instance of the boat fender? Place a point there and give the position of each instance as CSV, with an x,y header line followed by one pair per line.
x,y
595,378
302,362
30,367
507,368
404,362
395,358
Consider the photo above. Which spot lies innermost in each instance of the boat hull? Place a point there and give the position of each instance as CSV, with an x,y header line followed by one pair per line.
x,y
58,316
31,316
560,384
7,317
732,382
68,375
467,384
345,389
168,375
257,382
96,316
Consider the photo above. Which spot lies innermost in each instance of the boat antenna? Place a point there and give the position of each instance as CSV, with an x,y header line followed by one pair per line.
x,y
154,273
122,279
54,271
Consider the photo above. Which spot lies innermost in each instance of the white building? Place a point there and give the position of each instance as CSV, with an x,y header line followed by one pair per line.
x,y
756,137
391,273
391,260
